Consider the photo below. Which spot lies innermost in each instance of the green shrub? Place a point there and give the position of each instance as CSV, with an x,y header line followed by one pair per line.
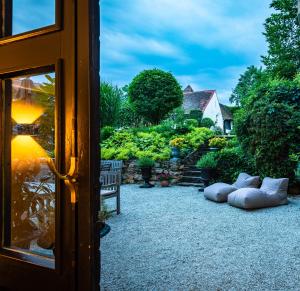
x,y
145,162
268,131
218,142
231,162
197,115
207,122
108,153
106,132
191,123
198,136
208,161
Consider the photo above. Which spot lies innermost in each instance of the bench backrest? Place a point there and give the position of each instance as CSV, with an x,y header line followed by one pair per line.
x,y
115,165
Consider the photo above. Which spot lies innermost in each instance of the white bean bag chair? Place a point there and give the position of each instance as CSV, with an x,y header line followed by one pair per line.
x,y
273,192
219,192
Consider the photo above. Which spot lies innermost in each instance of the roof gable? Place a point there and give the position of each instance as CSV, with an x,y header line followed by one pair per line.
x,y
226,113
197,100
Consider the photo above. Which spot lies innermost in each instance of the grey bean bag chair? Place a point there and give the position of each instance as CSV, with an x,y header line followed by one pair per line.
x,y
273,192
219,192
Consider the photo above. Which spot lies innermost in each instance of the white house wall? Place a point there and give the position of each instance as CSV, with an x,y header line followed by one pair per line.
x,y
213,111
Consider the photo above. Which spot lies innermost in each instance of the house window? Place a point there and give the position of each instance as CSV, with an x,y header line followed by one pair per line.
x,y
227,125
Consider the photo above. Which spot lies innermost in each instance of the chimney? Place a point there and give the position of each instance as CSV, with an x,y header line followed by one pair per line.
x,y
189,89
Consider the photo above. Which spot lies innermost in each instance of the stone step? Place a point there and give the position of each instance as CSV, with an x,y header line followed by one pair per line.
x,y
186,184
191,168
193,173
191,179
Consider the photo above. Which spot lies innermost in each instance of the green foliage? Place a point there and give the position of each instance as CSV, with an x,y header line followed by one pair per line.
x,y
145,162
110,104
197,115
177,142
283,36
106,132
218,142
44,95
154,93
150,142
208,161
207,122
247,81
128,117
268,131
230,162
128,144
191,123
198,136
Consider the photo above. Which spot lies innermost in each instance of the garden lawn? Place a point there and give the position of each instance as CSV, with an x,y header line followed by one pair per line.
x,y
174,239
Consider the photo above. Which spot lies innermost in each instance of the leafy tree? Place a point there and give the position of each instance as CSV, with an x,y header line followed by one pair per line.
x,y
247,81
154,93
110,104
267,129
283,36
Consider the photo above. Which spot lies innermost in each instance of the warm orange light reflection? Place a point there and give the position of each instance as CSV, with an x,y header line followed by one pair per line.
x,y
24,147
25,113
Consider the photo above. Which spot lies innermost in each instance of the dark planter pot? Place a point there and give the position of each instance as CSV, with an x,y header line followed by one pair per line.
x,y
146,175
104,229
207,174
175,153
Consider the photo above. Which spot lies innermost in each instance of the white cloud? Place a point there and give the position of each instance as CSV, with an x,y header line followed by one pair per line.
x,y
117,46
207,23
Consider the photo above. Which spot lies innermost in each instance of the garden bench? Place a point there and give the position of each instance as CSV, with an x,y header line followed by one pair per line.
x,y
110,187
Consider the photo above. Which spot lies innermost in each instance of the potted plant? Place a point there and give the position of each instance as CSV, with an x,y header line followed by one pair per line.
x,y
104,214
146,164
176,144
207,164
164,178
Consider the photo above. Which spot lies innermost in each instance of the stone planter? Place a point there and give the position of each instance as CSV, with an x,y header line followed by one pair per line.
x,y
146,175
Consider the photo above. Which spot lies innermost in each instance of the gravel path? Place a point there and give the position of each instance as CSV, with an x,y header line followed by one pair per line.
x,y
174,239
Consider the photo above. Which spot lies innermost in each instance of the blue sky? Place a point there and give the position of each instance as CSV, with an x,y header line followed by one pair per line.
x,y
205,43
32,14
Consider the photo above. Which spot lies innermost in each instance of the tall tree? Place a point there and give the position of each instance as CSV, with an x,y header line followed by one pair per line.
x,y
154,93
246,82
110,104
283,37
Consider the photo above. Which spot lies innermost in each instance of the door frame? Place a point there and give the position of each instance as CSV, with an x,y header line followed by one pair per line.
x,y
77,30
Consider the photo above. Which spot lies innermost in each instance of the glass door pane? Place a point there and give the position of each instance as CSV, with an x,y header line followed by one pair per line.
x,y
32,14
32,184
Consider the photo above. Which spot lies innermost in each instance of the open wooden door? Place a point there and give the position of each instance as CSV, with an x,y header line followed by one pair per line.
x,y
49,128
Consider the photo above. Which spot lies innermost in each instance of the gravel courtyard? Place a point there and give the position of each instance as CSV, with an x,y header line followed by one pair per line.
x,y
174,239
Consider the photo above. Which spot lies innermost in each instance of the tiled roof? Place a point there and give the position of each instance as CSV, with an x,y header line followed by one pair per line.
x,y
226,113
197,100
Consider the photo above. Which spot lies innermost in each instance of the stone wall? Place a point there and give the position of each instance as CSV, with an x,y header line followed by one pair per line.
x,y
131,173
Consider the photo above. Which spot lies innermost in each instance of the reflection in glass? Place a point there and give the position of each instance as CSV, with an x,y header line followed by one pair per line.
x,y
32,182
29,15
